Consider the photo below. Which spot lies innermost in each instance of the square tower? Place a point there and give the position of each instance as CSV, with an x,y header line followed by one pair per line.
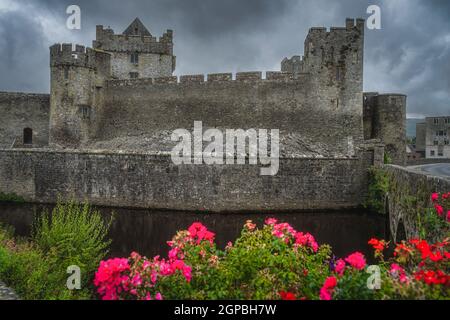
x,y
136,53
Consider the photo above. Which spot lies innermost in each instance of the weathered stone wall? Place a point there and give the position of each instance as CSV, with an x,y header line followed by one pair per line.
x,y
149,66
406,183
19,111
156,57
308,119
153,181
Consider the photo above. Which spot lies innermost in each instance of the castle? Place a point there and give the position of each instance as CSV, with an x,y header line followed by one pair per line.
x,y
104,131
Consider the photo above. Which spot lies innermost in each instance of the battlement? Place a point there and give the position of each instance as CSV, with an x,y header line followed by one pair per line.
x,y
67,54
107,40
256,76
351,26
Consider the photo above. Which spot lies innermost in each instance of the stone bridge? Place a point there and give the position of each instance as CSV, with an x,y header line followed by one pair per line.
x,y
409,192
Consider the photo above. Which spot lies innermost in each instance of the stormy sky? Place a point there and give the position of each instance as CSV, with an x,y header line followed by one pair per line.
x,y
410,54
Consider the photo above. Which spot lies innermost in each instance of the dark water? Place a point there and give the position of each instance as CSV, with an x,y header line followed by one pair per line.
x,y
147,232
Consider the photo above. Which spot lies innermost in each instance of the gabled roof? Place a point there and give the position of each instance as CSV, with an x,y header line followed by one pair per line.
x,y
137,28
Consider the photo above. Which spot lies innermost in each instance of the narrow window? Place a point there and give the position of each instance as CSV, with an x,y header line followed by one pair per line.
x,y
86,112
436,121
134,75
440,153
27,136
432,153
66,73
134,58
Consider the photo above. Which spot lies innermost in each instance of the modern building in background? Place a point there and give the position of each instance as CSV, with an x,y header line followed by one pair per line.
x,y
433,136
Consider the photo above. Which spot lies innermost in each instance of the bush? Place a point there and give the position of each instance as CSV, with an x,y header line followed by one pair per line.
x,y
11,197
270,263
275,262
434,223
71,235
378,189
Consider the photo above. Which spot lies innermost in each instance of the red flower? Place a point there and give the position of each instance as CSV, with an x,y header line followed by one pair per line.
x,y
378,245
287,295
435,197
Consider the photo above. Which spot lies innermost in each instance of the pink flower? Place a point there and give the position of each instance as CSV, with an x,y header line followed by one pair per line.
x,y
328,288
199,232
158,296
340,267
250,226
110,279
306,240
448,216
271,221
399,272
435,197
173,254
439,209
136,281
187,273
356,260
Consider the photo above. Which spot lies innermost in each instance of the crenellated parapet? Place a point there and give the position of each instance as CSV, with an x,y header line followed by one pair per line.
x,y
109,41
68,55
239,77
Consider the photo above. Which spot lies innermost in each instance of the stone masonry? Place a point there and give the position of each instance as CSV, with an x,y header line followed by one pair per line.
x,y
104,132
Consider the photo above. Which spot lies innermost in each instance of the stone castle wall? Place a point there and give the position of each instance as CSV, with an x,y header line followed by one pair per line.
x,y
20,111
156,107
410,183
152,181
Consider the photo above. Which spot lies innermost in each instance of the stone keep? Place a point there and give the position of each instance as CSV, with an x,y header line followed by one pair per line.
x,y
152,57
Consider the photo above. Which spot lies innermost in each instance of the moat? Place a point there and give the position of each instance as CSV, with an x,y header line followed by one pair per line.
x,y
147,231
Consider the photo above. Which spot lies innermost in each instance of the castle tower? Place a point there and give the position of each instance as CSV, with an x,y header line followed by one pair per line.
x,y
334,60
77,77
136,53
385,119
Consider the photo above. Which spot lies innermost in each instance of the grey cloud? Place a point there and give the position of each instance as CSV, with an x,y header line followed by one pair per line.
x,y
410,54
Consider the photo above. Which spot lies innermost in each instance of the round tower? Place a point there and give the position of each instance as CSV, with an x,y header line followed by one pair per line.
x,y
72,86
389,124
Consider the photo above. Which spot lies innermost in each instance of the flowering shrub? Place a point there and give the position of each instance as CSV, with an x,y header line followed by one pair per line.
x,y
434,224
276,262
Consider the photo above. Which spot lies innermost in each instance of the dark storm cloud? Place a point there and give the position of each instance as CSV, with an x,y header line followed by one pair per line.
x,y
409,55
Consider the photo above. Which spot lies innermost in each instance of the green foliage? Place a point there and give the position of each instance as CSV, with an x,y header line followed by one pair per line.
x,y
257,267
71,235
387,158
433,226
11,197
378,188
